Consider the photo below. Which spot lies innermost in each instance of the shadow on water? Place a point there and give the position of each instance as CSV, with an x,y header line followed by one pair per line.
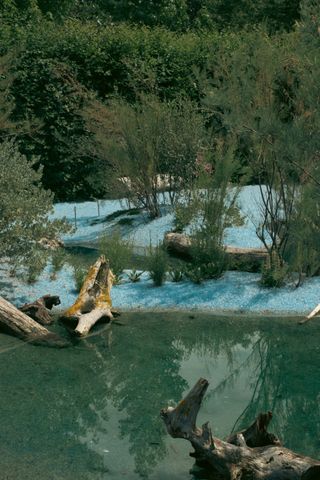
x,y
92,411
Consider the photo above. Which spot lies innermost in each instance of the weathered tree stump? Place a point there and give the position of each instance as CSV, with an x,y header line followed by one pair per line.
x,y
19,324
39,309
253,454
94,300
249,259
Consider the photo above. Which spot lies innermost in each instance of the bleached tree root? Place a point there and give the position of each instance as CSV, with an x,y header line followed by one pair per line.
x,y
94,300
19,324
253,454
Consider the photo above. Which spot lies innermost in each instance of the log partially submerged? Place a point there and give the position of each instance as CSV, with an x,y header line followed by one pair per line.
x,y
181,244
252,454
311,315
39,309
19,324
94,300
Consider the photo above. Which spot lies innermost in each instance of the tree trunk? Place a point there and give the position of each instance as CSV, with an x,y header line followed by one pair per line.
x,y
253,454
247,259
38,310
94,300
18,323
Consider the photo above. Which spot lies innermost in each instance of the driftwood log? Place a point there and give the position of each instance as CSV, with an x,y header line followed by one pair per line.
x,y
253,454
94,300
311,315
249,258
19,324
39,309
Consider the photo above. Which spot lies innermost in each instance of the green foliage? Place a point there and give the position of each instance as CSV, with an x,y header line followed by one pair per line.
x,y
194,274
79,274
155,149
182,217
58,260
135,276
237,14
303,249
46,91
25,207
182,15
157,265
274,272
59,69
266,95
176,275
118,250
214,207
209,260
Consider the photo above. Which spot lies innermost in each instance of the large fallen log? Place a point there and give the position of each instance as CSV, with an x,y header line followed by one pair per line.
x,y
94,300
253,454
39,309
19,324
249,259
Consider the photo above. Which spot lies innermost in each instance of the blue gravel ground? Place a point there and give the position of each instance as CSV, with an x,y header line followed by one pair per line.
x,y
235,291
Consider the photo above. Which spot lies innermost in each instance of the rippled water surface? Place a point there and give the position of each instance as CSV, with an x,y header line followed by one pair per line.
x,y
91,412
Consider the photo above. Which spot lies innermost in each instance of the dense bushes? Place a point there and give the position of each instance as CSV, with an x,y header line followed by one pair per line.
x,y
25,207
177,15
59,70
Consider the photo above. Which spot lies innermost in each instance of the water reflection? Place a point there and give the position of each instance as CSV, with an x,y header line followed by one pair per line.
x,y
92,412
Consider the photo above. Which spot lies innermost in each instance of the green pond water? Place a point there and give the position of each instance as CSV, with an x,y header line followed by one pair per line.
x,y
91,411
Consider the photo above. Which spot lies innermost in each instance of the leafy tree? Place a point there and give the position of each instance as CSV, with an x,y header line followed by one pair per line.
x,y
266,95
25,207
46,91
155,149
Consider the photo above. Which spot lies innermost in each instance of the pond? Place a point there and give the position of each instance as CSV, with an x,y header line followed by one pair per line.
x,y
91,412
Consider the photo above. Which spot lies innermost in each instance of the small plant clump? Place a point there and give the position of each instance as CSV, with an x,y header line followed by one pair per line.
x,y
176,275
79,274
274,272
209,260
158,265
119,252
135,276
57,262
194,274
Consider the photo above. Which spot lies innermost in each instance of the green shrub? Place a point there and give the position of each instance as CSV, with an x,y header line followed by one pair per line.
x,y
79,275
58,259
194,274
209,257
135,276
176,275
157,263
184,213
118,251
274,272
